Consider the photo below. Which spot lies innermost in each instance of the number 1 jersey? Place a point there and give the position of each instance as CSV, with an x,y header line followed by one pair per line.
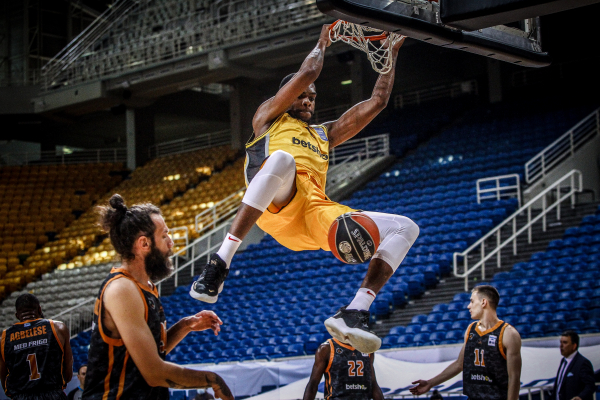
x,y
33,355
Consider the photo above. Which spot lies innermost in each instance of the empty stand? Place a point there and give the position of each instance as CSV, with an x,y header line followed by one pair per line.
x,y
275,301
37,202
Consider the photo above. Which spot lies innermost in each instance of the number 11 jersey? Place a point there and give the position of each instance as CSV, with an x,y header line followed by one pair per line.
x,y
485,373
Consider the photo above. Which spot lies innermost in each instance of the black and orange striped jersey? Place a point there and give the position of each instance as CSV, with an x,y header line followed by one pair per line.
x,y
34,357
485,373
348,374
111,373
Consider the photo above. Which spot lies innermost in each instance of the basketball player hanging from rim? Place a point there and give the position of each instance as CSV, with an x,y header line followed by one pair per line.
x,y
286,167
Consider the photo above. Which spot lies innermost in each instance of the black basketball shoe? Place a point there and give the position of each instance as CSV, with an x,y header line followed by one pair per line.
x,y
210,282
352,326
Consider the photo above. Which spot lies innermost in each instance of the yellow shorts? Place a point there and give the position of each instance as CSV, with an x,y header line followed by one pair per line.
x,y
303,224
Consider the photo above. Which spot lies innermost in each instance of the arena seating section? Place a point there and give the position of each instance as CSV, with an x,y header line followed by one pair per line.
x,y
81,246
37,202
183,210
275,300
156,182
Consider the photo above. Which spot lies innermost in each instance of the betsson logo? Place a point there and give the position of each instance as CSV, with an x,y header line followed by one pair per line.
x,y
478,377
355,386
311,147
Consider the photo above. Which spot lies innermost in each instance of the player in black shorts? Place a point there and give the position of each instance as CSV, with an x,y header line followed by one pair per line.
x,y
349,374
490,359
36,361
130,339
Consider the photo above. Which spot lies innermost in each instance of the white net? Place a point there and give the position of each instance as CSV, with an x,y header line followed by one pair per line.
x,y
377,44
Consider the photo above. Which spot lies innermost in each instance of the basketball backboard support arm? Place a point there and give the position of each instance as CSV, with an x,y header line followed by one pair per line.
x,y
423,23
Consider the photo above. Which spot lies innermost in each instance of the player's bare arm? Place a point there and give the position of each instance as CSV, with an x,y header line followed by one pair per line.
x,y
377,394
195,323
450,372
131,327
3,369
308,73
63,335
321,361
512,348
359,116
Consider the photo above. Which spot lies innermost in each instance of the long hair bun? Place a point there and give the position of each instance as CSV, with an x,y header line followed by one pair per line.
x,y
117,202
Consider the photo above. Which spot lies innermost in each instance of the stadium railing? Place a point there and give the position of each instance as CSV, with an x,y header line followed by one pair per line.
x,y
185,145
347,159
141,34
563,147
114,155
217,223
451,90
475,257
506,186
80,45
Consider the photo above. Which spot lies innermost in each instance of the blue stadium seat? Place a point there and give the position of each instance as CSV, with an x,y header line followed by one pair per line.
x,y
397,330
437,337
412,329
421,318
389,341
421,339
440,308
404,340
463,315
449,316
455,335
428,328
537,330
434,317
443,326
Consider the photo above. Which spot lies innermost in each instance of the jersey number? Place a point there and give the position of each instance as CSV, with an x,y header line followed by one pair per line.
x,y
355,368
478,362
33,367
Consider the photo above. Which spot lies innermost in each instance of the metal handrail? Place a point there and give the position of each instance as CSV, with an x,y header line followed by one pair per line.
x,y
563,147
498,191
219,212
183,33
202,141
575,181
70,313
184,235
451,90
82,42
201,247
373,146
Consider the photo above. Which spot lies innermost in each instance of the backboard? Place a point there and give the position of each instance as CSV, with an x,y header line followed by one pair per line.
x,y
420,19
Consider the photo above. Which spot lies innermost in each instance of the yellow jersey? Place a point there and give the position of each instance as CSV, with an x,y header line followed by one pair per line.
x,y
308,144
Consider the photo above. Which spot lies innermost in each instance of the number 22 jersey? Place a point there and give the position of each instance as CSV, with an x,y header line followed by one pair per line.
x,y
348,374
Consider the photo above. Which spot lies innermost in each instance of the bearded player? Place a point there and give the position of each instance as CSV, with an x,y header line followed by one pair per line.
x,y
286,167
130,340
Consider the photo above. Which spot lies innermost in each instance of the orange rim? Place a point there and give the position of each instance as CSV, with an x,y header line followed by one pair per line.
x,y
370,38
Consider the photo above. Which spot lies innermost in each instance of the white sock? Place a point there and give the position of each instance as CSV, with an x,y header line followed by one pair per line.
x,y
228,248
363,300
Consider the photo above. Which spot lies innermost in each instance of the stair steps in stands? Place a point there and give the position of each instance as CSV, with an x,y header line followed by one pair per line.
x,y
450,285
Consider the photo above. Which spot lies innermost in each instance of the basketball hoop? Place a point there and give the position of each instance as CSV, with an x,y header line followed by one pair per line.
x,y
380,55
